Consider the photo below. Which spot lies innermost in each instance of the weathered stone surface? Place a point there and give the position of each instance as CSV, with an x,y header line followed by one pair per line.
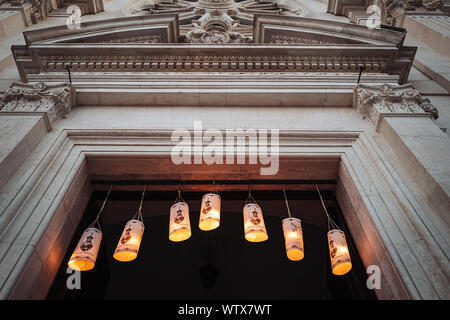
x,y
53,100
387,100
393,185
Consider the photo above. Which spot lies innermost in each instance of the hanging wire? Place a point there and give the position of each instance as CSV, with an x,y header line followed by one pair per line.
x,y
287,204
179,197
250,198
331,223
101,209
215,188
138,214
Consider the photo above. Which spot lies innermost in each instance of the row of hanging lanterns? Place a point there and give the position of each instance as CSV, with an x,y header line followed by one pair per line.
x,y
85,254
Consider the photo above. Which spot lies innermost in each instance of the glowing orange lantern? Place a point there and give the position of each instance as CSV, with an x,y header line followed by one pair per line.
x,y
85,254
339,255
128,247
254,228
179,225
293,238
210,212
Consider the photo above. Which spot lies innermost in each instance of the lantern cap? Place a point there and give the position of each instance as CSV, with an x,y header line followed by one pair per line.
x,y
178,203
136,220
291,219
211,194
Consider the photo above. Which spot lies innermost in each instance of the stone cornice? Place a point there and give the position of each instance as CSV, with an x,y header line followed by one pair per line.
x,y
131,58
377,102
340,48
54,100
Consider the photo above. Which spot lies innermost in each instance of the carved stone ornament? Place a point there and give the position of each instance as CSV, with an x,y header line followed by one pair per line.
x,y
215,27
296,40
55,100
33,11
374,102
424,5
395,10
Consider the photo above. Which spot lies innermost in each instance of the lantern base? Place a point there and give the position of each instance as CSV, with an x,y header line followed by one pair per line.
x,y
342,268
295,254
125,256
81,265
180,235
256,236
208,225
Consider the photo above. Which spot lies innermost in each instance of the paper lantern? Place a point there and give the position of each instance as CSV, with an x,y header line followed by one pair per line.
x,y
293,238
179,225
254,228
210,212
85,254
128,247
339,255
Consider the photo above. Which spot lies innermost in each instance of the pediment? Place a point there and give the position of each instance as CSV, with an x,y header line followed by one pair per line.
x,y
304,31
161,28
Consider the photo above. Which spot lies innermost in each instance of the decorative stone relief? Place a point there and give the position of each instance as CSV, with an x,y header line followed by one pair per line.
x,y
392,11
215,28
144,39
395,10
55,100
33,11
423,5
287,39
373,102
242,13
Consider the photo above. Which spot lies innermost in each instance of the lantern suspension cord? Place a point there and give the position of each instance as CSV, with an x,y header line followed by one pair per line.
x,y
250,197
101,209
138,214
287,204
179,197
215,187
330,221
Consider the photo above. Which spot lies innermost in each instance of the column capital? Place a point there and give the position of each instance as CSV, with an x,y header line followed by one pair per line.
x,y
54,100
376,102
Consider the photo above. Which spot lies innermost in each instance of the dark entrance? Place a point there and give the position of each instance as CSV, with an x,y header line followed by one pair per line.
x,y
218,264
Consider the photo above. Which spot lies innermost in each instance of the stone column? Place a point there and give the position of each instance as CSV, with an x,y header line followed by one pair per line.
x,y
404,119
417,152
27,113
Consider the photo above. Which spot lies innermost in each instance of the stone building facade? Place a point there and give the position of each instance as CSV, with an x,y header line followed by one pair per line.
x,y
99,100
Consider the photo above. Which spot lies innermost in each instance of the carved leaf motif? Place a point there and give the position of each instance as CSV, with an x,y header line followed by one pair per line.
x,y
56,101
373,101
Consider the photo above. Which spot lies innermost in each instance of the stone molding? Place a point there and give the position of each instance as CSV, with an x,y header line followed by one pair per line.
x,y
55,101
379,208
342,48
374,103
